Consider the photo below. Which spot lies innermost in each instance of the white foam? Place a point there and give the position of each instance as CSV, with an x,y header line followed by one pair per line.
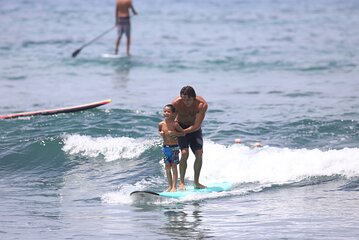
x,y
109,147
120,196
235,163
239,164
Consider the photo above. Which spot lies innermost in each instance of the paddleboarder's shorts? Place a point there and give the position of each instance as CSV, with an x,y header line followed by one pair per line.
x,y
171,154
123,26
193,139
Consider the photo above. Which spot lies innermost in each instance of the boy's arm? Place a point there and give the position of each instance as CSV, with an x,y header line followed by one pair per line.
x,y
160,129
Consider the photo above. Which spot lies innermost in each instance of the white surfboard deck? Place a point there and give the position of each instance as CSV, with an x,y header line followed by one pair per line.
x,y
111,56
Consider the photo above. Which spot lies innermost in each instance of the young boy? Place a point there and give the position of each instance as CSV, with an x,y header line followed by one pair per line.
x,y
169,130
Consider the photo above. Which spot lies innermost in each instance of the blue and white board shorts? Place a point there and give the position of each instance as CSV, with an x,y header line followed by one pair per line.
x,y
171,154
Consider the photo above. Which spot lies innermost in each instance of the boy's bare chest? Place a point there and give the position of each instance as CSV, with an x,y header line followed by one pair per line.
x,y
168,127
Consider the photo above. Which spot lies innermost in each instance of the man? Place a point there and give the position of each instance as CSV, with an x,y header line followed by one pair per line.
x,y
122,17
191,110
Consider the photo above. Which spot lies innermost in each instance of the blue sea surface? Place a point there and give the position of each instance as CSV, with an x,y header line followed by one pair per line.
x,y
280,72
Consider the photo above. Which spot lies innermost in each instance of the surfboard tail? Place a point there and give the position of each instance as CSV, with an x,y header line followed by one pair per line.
x,y
57,110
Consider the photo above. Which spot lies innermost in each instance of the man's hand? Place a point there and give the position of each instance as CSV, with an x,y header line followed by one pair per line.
x,y
175,134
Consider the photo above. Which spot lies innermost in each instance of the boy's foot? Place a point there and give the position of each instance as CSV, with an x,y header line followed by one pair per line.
x,y
182,187
174,190
168,189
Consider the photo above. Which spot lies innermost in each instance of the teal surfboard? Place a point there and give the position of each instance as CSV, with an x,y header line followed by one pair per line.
x,y
190,190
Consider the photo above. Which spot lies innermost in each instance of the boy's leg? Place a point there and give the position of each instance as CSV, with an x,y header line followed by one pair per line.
x,y
175,177
169,176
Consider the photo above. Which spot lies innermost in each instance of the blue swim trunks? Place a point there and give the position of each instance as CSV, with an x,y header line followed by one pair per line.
x,y
171,154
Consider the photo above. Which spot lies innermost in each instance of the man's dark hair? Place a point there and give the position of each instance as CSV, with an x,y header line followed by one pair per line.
x,y
188,91
173,109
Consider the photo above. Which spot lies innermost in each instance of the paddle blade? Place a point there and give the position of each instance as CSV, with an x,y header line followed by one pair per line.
x,y
74,54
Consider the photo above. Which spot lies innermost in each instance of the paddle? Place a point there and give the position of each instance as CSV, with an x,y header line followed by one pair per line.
x,y
76,52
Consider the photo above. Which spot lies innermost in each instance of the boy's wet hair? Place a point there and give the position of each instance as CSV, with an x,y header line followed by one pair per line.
x,y
188,91
173,109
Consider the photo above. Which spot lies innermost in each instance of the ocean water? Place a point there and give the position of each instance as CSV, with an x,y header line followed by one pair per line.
x,y
280,72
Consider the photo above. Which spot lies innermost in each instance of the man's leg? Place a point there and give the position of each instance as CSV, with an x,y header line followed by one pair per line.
x,y
197,168
128,35
117,44
128,45
183,167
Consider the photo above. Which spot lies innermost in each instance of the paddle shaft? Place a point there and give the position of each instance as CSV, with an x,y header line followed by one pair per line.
x,y
75,53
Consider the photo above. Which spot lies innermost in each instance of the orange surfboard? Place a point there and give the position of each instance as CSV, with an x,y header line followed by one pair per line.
x,y
57,110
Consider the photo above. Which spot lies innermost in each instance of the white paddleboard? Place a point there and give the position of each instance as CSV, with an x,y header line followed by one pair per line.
x,y
111,56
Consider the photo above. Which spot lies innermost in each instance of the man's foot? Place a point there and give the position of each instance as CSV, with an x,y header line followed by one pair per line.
x,y
182,187
116,51
173,190
199,186
168,189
